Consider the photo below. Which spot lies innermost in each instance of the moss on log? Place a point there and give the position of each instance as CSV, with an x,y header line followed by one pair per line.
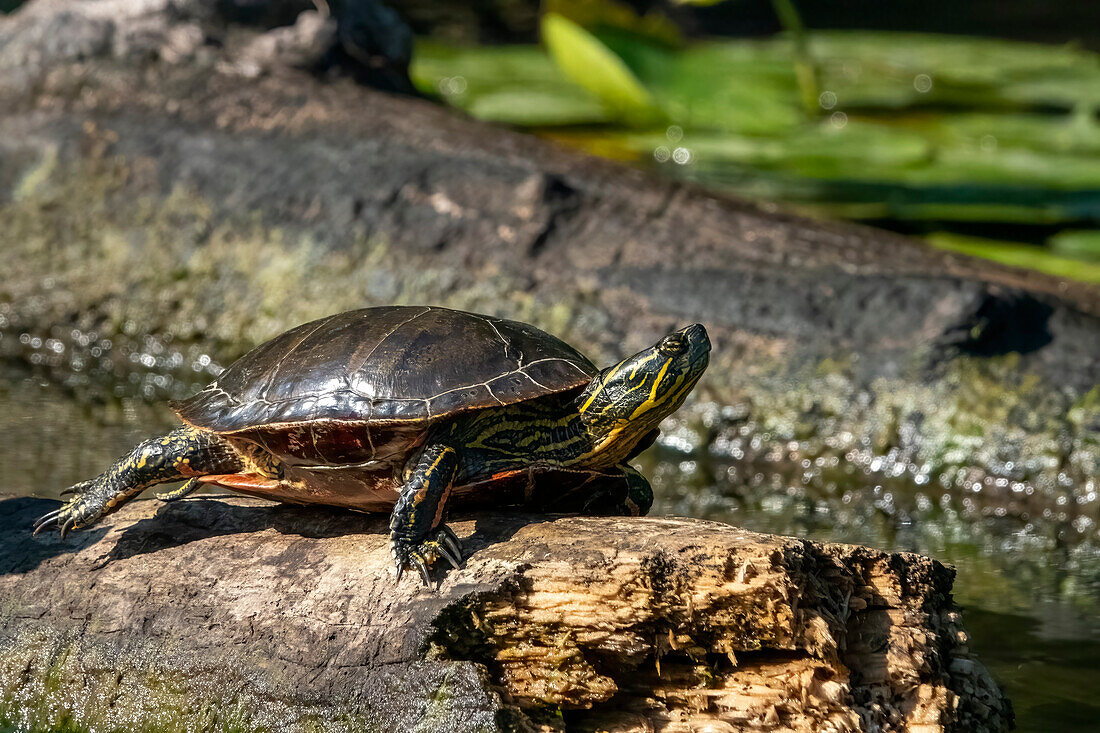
x,y
220,614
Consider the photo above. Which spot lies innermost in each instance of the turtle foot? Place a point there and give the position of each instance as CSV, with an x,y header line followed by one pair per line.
x,y
421,556
78,512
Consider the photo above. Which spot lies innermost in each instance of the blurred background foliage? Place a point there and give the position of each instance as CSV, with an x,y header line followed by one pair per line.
x,y
948,131
984,146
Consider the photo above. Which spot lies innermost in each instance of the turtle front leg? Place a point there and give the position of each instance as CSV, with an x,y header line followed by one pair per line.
x,y
626,493
182,453
417,534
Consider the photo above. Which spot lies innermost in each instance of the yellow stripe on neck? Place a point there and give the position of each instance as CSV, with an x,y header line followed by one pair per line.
x,y
603,383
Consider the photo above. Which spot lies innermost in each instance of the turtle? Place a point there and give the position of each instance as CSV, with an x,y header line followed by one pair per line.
x,y
412,410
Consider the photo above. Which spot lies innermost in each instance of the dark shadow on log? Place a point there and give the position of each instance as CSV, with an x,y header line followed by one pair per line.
x,y
180,523
501,528
20,552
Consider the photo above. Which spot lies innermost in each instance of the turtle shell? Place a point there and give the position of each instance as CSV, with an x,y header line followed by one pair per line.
x,y
334,389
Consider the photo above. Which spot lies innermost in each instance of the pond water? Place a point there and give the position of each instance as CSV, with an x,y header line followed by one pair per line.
x,y
1030,589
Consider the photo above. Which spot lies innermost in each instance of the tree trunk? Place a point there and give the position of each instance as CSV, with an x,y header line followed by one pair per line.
x,y
220,614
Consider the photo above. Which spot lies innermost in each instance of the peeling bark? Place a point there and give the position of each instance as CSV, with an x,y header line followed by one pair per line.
x,y
228,613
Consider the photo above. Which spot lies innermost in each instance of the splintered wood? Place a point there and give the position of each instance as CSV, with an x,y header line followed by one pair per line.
x,y
694,626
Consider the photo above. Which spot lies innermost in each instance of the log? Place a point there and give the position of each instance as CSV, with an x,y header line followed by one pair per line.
x,y
223,613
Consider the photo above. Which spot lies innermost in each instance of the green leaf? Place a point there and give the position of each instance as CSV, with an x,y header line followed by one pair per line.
x,y
515,85
1018,255
1082,244
526,107
591,65
599,15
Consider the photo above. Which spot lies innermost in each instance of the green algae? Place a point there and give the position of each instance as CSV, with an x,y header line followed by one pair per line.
x,y
983,414
125,698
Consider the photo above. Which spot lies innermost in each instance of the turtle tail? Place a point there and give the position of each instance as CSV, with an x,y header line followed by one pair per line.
x,y
183,453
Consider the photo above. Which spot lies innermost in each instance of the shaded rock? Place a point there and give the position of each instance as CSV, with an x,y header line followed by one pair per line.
x,y
302,45
366,38
229,614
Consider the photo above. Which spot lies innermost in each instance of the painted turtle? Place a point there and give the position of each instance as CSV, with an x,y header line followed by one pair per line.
x,y
414,409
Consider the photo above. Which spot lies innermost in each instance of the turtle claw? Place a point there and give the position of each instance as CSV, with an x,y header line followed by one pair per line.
x,y
423,568
75,513
447,538
46,520
448,555
444,545
69,524
77,488
417,561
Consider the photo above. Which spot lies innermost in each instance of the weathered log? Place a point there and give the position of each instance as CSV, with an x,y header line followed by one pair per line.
x,y
222,613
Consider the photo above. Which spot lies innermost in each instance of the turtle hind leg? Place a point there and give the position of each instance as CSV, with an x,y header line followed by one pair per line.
x,y
183,453
182,492
261,462
627,494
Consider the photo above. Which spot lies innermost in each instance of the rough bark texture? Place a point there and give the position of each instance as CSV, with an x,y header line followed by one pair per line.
x,y
234,614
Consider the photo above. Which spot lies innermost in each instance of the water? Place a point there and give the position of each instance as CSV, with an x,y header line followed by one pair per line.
x,y
1030,588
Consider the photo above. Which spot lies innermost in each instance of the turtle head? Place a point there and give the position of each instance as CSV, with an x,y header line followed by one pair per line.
x,y
627,401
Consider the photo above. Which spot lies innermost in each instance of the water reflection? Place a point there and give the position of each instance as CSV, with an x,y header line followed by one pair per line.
x,y
53,441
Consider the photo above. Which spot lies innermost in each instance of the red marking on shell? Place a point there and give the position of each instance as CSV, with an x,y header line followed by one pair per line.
x,y
239,481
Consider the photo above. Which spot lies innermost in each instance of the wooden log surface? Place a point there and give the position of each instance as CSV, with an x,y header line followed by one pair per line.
x,y
223,613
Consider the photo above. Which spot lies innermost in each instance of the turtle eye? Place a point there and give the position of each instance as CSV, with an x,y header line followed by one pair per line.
x,y
672,344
